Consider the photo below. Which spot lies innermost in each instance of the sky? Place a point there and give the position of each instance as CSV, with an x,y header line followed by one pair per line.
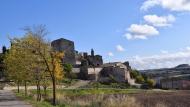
x,y
148,33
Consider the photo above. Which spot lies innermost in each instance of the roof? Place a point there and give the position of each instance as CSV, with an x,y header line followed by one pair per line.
x,y
62,39
115,64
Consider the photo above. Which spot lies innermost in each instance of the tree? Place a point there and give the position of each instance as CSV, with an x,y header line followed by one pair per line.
x,y
140,79
134,73
50,58
32,56
151,83
4,49
18,62
68,71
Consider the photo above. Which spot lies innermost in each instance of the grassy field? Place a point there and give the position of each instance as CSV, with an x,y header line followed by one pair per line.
x,y
113,98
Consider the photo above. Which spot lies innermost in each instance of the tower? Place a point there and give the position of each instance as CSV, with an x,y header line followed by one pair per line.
x,y
92,52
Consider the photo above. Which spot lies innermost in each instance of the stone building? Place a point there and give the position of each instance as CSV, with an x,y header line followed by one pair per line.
x,y
66,46
116,72
182,82
91,67
91,60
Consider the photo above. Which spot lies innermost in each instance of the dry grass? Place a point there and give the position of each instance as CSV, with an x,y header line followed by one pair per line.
x,y
100,101
142,99
168,99
103,100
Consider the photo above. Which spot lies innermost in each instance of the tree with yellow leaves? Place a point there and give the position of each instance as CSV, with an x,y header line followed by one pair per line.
x,y
50,58
18,62
32,56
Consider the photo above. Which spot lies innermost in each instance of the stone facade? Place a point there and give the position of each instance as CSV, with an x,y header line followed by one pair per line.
x,y
115,72
92,60
67,47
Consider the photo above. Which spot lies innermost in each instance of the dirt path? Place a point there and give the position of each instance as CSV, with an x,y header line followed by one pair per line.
x,y
8,99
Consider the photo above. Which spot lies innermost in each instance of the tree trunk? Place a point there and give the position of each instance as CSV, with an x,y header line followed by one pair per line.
x,y
54,91
37,97
40,97
38,91
18,87
25,87
45,91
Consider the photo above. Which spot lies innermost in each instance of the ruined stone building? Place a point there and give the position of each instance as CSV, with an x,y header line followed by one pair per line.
x,y
91,66
66,46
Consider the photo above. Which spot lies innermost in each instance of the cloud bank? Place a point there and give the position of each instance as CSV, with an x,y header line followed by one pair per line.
x,y
172,5
163,60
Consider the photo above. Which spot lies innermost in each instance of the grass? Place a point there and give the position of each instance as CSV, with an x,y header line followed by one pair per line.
x,y
33,102
83,99
77,92
75,97
74,92
91,98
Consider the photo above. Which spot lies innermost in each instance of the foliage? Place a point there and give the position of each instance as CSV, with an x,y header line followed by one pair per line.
x,y
68,71
4,49
134,74
96,85
140,79
108,85
31,58
18,61
151,83
49,57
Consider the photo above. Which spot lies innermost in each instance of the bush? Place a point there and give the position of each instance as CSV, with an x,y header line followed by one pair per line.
x,y
68,71
140,79
151,83
134,73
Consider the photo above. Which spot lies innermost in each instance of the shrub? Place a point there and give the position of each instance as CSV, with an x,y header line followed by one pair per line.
x,y
151,83
140,79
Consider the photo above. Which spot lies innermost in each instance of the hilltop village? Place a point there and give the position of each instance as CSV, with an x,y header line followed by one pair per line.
x,y
91,67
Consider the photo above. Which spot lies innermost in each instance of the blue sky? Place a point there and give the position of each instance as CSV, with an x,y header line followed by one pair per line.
x,y
148,33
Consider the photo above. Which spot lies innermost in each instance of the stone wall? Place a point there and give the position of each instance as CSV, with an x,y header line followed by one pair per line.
x,y
66,46
95,60
112,74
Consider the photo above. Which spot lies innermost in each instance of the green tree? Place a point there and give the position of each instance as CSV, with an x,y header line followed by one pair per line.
x,y
68,71
18,63
134,74
151,83
4,49
140,79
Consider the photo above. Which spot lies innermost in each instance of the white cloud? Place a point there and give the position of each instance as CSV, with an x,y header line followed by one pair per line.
x,y
141,31
159,21
161,60
110,54
188,48
164,52
120,48
172,5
